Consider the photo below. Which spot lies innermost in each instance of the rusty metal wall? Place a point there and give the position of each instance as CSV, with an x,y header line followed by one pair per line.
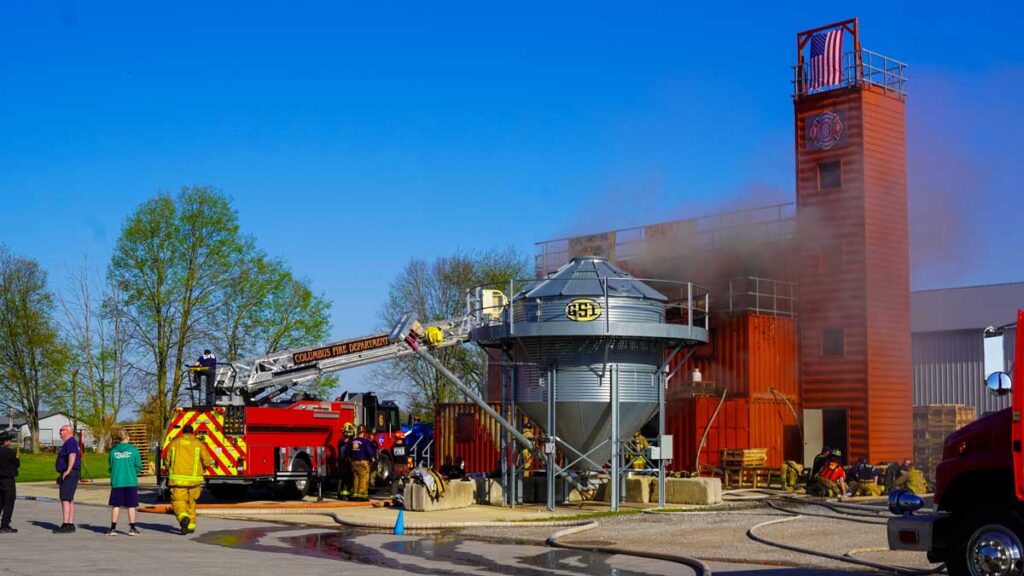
x,y
948,368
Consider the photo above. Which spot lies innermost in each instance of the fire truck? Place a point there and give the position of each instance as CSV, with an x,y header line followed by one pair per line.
x,y
978,524
259,430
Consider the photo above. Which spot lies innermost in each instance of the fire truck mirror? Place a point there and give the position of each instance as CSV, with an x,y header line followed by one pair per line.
x,y
999,383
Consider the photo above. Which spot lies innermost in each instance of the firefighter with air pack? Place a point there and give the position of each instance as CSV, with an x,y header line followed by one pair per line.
x,y
187,457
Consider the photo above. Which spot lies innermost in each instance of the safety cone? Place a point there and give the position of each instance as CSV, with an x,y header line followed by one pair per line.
x,y
400,523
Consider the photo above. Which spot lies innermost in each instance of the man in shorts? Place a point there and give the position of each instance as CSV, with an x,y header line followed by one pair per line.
x,y
69,469
125,467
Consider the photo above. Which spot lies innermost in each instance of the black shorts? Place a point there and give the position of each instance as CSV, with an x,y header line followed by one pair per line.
x,y
70,485
127,497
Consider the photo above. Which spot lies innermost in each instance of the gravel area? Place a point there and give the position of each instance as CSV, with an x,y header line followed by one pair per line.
x,y
721,536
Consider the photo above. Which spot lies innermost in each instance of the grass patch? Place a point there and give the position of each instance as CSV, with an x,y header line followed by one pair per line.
x,y
586,516
40,467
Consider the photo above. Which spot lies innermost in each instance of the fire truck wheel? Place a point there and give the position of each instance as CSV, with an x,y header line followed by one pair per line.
x,y
988,544
295,489
383,470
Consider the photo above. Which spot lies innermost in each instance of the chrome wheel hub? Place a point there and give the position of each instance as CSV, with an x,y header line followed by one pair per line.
x,y
995,551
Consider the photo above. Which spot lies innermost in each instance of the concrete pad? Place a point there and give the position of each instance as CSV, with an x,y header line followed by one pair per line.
x,y
459,494
699,491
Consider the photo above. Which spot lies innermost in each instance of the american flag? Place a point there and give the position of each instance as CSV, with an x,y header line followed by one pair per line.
x,y
826,59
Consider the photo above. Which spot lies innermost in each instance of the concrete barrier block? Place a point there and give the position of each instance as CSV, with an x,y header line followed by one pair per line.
x,y
638,489
489,492
458,495
691,491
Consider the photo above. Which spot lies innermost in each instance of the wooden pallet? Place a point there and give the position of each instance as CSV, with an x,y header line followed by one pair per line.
x,y
140,439
932,424
745,457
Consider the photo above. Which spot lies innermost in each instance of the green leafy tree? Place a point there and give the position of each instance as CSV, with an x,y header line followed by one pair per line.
x,y
266,310
171,262
436,291
32,356
188,279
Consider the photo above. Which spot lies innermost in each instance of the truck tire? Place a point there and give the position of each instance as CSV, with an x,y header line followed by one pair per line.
x,y
383,470
229,492
295,489
988,544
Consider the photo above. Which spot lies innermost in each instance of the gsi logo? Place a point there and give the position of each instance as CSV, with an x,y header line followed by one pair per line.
x,y
583,310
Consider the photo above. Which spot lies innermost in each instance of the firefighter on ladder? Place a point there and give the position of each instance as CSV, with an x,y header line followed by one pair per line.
x,y
187,458
204,372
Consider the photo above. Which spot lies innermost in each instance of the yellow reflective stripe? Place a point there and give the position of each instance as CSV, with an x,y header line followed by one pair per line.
x,y
195,462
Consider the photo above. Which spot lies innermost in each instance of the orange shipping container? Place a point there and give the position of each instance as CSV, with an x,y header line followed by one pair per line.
x,y
687,419
748,354
774,426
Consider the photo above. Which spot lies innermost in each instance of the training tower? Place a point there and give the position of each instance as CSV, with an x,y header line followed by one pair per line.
x,y
853,245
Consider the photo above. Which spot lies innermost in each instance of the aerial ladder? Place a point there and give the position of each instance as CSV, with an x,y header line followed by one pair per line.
x,y
261,380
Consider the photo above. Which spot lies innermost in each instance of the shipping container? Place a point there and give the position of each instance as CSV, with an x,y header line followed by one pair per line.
x,y
688,418
775,427
464,430
750,355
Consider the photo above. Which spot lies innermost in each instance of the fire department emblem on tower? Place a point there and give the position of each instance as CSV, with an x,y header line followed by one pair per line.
x,y
825,131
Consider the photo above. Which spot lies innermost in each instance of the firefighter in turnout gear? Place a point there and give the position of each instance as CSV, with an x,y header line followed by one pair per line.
x,y
830,481
865,479
359,452
640,444
187,458
791,472
345,464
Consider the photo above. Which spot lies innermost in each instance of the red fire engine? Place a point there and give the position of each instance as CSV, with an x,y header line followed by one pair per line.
x,y
978,526
258,436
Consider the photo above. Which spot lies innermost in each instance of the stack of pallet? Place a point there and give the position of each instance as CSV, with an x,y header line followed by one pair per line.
x,y
932,424
746,467
140,439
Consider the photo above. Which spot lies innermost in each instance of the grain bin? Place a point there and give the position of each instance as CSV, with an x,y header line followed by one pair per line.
x,y
596,340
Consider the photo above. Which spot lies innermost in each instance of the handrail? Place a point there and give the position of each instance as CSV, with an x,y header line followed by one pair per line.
x,y
863,68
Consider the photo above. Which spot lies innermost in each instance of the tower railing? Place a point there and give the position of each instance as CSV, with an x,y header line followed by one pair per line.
x,y
860,68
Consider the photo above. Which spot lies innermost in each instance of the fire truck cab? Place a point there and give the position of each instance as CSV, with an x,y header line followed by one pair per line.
x,y
977,527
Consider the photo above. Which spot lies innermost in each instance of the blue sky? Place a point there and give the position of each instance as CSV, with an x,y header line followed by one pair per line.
x,y
355,136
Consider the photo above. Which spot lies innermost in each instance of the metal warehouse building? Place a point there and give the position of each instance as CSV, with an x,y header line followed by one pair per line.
x,y
947,346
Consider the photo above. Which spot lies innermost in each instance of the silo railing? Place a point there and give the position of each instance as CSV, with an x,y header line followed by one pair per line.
x,y
612,299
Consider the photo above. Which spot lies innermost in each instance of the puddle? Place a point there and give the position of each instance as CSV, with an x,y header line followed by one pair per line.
x,y
442,553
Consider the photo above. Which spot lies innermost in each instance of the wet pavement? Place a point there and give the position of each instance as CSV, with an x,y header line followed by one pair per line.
x,y
223,546
440,553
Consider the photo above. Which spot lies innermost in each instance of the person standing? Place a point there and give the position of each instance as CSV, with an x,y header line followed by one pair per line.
x,y
69,468
206,367
360,453
9,464
345,463
187,458
125,467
